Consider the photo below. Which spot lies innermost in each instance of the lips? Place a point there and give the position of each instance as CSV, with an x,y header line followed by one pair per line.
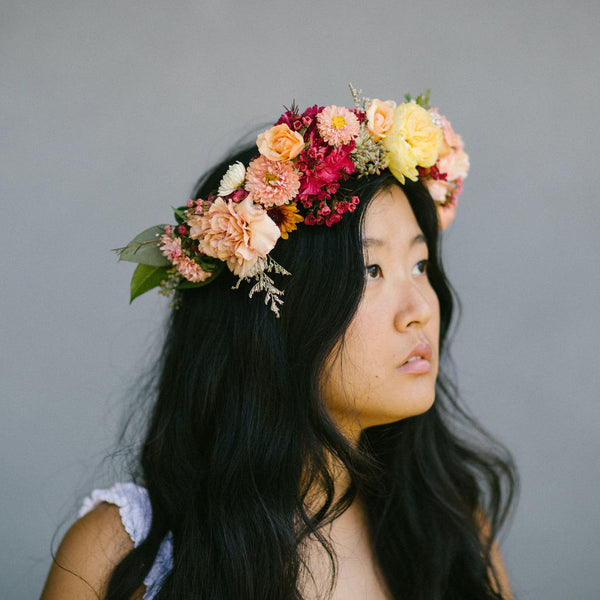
x,y
418,361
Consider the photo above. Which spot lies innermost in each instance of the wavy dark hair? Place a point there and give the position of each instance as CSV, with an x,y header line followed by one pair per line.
x,y
238,435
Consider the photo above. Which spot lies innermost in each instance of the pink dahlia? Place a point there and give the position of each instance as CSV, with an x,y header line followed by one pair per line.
x,y
337,125
170,247
271,183
191,270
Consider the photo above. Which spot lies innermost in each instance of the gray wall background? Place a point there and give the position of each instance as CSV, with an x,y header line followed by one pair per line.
x,y
110,111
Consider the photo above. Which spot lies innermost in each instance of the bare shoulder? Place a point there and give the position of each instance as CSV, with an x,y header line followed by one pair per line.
x,y
502,580
87,555
499,573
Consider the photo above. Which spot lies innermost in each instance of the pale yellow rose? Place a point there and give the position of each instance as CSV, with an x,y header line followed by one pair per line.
x,y
413,141
380,117
280,143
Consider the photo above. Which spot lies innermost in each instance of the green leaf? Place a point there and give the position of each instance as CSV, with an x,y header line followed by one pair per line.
x,y
143,249
423,99
146,277
179,213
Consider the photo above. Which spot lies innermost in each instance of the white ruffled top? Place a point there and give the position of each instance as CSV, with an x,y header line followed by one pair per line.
x,y
136,514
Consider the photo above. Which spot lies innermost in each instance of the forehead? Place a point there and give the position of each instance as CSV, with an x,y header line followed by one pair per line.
x,y
389,219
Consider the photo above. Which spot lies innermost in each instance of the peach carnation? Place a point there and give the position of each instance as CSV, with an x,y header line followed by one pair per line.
x,y
337,125
413,141
272,183
380,117
239,234
280,143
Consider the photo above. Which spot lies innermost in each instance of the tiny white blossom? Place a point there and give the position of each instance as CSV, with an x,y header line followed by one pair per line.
x,y
233,179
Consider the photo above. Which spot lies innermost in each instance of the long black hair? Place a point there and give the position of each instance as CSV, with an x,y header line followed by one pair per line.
x,y
238,435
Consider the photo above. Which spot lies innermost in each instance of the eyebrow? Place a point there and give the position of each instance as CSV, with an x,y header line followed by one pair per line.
x,y
377,243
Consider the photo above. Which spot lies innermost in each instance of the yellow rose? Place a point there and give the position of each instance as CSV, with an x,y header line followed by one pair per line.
x,y
380,117
413,141
280,143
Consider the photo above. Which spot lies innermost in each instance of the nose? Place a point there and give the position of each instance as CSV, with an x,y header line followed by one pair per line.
x,y
414,305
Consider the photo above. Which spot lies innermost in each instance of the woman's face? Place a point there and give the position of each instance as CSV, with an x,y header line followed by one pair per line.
x,y
387,365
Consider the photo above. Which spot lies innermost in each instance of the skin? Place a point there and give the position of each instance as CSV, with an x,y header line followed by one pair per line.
x,y
366,386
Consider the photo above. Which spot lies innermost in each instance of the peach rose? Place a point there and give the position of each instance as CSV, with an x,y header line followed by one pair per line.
x,y
414,140
439,189
380,117
451,139
239,234
445,214
280,143
455,164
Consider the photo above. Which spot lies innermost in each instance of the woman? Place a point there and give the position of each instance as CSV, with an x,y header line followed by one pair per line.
x,y
306,446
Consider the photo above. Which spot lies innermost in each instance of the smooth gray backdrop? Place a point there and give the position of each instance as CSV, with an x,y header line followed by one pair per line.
x,y
109,112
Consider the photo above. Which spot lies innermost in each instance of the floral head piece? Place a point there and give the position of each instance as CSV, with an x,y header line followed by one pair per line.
x,y
297,177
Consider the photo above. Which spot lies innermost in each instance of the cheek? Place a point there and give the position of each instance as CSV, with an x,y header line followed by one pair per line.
x,y
433,327
347,369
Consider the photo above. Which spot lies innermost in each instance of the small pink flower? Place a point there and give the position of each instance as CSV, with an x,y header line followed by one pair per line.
x,y
170,247
337,125
342,207
333,218
272,183
191,270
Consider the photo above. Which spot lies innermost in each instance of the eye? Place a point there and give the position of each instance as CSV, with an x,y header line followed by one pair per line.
x,y
421,267
372,271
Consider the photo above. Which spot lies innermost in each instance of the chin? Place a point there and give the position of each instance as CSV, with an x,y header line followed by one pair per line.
x,y
417,406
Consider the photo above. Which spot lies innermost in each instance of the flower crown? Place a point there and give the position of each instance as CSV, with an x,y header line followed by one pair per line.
x,y
297,177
